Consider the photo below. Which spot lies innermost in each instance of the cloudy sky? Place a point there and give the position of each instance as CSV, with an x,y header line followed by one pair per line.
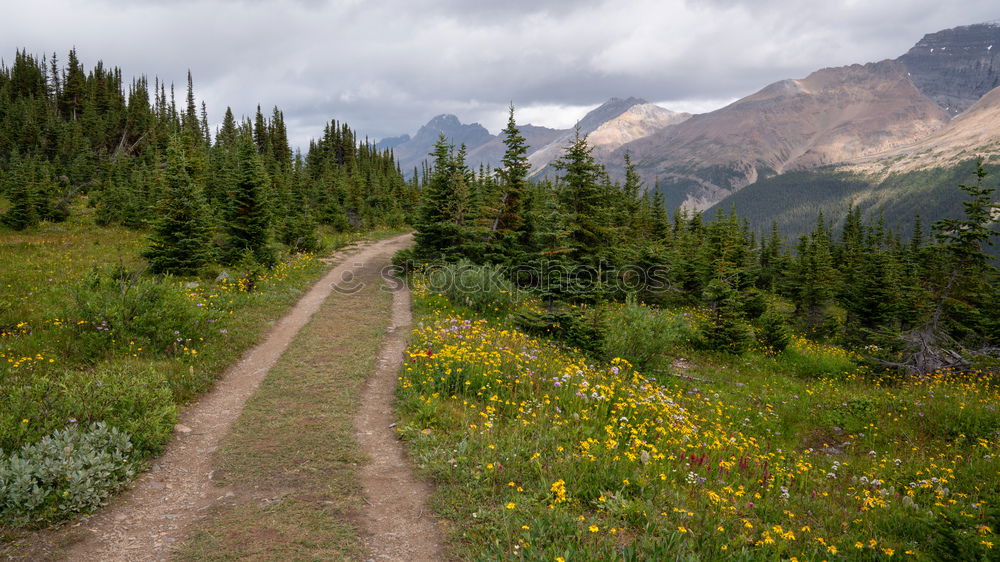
x,y
387,66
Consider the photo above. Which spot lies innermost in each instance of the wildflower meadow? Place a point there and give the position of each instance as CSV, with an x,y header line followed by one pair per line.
x,y
544,453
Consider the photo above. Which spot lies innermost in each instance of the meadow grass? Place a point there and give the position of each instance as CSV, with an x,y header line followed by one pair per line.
x,y
543,453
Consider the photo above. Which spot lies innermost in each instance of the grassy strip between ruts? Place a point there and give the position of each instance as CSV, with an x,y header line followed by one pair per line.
x,y
288,471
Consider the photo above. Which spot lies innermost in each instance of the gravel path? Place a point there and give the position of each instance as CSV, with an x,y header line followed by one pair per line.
x,y
146,522
396,524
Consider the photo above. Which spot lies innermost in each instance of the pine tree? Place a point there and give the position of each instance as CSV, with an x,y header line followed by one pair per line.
x,y
248,218
659,228
631,203
728,269
180,241
441,226
960,287
965,281
189,121
23,212
814,279
581,196
508,228
71,101
773,262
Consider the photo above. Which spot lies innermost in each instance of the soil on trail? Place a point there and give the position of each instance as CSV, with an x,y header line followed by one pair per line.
x,y
148,521
396,525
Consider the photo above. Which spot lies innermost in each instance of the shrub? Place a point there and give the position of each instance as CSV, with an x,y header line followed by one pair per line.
x,y
483,288
642,334
754,304
405,260
853,415
68,472
119,309
773,334
585,332
811,364
132,397
726,334
300,234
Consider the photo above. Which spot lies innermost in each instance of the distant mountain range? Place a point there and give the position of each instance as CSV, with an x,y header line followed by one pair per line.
x,y
609,126
934,108
959,70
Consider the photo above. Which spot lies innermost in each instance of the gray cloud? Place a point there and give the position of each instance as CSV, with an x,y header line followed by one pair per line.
x,y
387,67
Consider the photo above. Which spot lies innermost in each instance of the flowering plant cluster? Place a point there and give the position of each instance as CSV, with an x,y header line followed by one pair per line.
x,y
544,453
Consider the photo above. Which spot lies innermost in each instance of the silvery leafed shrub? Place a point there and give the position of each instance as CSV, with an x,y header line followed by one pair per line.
x,y
71,471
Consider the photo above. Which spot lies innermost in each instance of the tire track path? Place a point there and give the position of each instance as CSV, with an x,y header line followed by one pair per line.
x,y
149,520
396,524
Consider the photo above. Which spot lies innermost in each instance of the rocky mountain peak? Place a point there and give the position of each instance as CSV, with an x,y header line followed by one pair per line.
x,y
472,134
443,122
955,67
605,112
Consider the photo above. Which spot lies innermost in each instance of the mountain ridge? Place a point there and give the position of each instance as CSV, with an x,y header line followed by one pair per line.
x,y
831,115
484,148
922,110
955,67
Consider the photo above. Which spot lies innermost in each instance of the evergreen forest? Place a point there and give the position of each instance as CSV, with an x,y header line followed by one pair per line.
x,y
912,303
133,150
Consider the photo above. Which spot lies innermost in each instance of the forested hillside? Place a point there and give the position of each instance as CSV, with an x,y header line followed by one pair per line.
x,y
141,253
66,131
793,199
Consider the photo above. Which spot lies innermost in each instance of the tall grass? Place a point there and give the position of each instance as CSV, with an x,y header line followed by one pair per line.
x,y
648,338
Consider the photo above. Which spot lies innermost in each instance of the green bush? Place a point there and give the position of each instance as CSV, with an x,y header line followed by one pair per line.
x,y
642,335
132,397
582,329
773,334
754,304
853,415
405,260
810,365
726,334
68,472
300,233
483,288
118,309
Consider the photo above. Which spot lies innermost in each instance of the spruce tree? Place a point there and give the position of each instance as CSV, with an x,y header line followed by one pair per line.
x,y
248,218
659,227
631,209
440,225
513,177
23,212
180,241
582,200
966,279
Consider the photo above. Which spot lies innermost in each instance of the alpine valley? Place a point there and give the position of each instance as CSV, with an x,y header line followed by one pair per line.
x,y
892,137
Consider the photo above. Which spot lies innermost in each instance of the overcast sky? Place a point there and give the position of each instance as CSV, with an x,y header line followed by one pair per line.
x,y
386,67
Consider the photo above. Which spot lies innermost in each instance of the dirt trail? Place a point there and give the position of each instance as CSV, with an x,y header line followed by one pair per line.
x,y
146,522
396,524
